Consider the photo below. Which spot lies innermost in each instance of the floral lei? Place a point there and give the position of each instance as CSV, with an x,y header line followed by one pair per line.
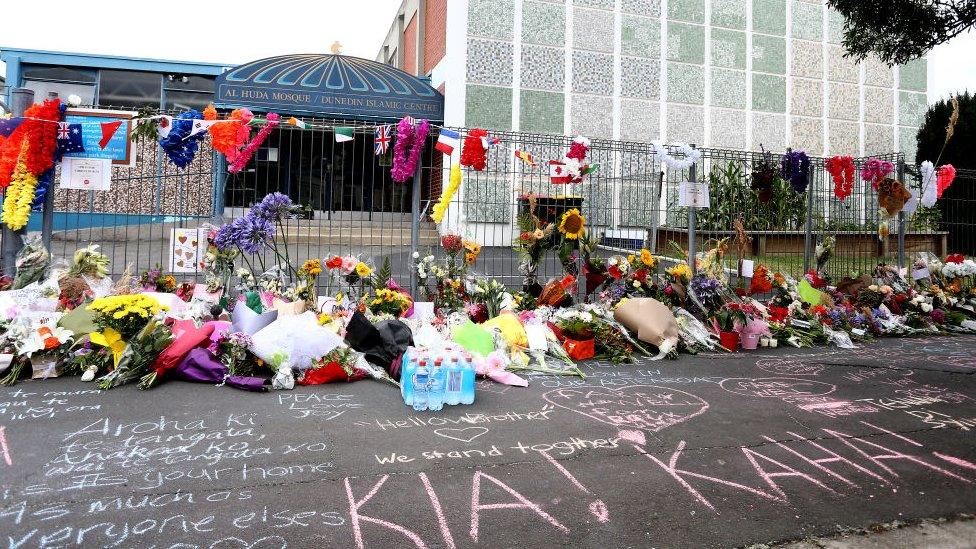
x,y
408,137
244,156
20,195
796,168
874,170
841,169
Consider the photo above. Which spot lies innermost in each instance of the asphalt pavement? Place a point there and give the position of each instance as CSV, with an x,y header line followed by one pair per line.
x,y
724,450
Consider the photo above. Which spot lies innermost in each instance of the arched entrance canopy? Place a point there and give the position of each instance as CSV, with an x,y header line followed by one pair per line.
x,y
327,85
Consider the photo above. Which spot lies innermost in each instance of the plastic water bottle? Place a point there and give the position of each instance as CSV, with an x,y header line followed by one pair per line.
x,y
421,386
455,373
435,394
467,380
407,370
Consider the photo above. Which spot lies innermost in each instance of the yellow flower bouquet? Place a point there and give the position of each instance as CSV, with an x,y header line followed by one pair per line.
x,y
126,314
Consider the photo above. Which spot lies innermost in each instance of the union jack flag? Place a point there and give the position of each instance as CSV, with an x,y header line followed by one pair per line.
x,y
381,141
63,130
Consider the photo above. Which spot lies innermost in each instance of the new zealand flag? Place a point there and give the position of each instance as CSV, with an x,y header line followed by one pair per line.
x,y
69,139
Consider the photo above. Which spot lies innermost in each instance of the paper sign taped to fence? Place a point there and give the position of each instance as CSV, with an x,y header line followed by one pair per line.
x,y
87,174
187,247
693,194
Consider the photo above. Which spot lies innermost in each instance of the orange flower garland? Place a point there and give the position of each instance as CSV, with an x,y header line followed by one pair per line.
x,y
38,135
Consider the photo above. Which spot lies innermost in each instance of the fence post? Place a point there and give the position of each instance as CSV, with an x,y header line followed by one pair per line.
x,y
655,217
901,219
13,241
692,221
808,230
47,219
415,225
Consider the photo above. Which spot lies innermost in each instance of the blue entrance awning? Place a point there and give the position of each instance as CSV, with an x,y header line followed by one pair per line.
x,y
329,85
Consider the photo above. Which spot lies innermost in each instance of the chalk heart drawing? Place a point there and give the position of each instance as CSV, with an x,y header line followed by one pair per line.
x,y
466,434
789,367
267,542
635,407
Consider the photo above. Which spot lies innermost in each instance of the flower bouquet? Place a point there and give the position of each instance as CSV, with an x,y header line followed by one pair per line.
x,y
578,330
32,263
153,280
728,321
43,345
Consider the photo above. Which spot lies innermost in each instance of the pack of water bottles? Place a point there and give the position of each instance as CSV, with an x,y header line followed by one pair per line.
x,y
430,380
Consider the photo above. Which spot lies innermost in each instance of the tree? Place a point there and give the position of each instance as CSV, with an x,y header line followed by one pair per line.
x,y
956,210
932,135
898,31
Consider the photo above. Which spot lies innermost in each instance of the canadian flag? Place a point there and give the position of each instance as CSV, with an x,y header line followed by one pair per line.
x,y
558,174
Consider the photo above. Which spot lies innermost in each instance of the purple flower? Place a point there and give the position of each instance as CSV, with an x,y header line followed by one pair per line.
x,y
224,239
273,207
253,233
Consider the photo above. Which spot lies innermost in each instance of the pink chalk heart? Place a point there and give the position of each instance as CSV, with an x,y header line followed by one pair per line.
x,y
638,407
637,437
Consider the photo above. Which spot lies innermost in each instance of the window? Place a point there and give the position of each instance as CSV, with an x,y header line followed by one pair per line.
x,y
59,74
42,90
129,89
188,92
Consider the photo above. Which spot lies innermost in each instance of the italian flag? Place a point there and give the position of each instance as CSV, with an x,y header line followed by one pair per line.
x,y
343,134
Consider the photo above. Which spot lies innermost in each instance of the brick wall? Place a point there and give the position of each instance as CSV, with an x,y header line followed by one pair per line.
x,y
435,33
410,46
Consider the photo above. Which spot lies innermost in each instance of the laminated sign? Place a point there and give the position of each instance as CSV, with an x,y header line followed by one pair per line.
x,y
693,194
88,174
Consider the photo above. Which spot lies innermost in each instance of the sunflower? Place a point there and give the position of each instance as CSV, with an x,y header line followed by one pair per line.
x,y
572,224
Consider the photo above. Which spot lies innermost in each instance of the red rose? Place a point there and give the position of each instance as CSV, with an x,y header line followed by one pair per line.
x,y
525,236
615,272
955,258
640,274
334,262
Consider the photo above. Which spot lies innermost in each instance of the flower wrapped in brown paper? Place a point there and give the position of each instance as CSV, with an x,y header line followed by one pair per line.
x,y
892,195
651,320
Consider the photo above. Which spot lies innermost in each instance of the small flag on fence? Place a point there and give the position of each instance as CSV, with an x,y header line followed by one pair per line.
x,y
164,125
297,123
381,140
526,157
8,125
200,126
343,134
558,174
447,141
108,130
488,142
69,138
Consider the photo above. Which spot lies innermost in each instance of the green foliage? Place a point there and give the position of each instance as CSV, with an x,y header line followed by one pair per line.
x,y
932,134
898,31
384,274
730,195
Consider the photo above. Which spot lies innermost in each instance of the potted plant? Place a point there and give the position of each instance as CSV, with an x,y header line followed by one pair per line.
x,y
726,320
578,329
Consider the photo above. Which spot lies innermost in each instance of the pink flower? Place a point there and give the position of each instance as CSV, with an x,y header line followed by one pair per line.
x,y
348,265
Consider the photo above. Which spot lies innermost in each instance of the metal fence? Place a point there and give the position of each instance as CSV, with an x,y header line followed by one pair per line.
x,y
630,202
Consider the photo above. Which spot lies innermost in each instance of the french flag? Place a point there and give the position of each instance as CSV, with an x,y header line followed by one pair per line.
x,y
447,141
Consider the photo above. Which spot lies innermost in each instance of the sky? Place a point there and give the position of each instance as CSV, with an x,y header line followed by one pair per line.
x,y
233,32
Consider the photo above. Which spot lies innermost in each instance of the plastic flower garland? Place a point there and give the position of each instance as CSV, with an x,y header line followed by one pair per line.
x,y
691,155
474,154
179,145
944,176
408,148
20,196
841,169
796,168
929,190
229,137
38,135
874,170
439,209
245,155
